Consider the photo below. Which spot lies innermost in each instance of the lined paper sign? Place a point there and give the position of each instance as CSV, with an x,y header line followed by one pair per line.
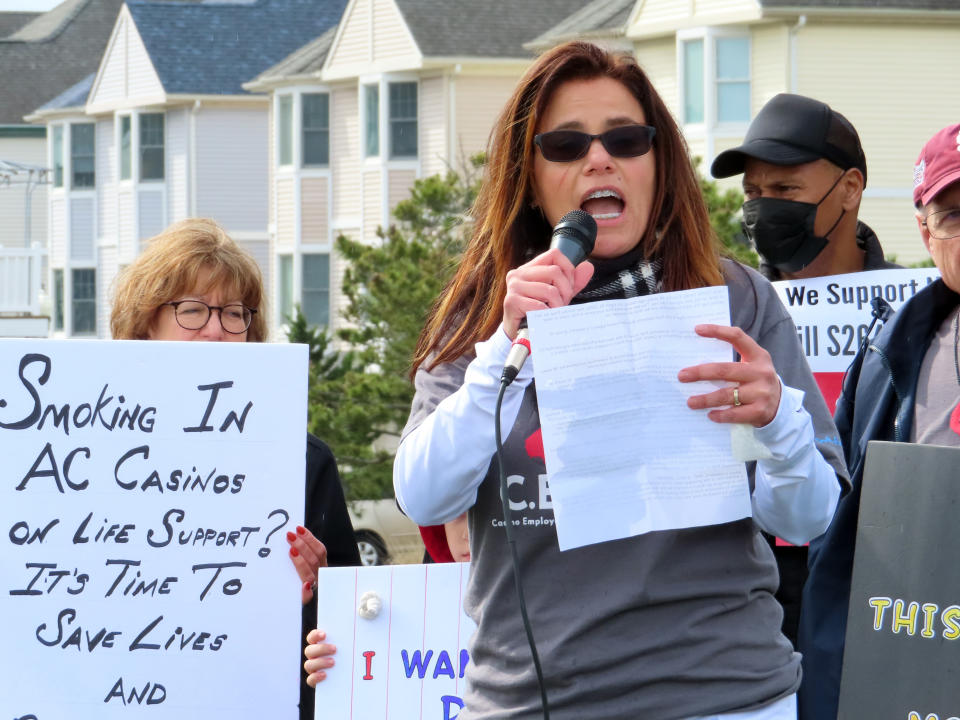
x,y
145,491
407,662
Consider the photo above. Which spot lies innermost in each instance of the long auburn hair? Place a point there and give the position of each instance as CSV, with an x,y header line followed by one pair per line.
x,y
508,231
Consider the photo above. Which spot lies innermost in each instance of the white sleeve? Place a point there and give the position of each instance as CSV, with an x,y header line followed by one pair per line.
x,y
795,491
441,463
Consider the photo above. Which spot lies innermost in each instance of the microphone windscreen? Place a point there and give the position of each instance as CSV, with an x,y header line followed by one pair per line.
x,y
575,235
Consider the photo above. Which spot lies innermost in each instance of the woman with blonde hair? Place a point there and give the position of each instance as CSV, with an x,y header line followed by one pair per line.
x,y
193,282
661,626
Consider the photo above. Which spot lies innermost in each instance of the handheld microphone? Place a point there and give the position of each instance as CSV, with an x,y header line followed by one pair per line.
x,y
575,236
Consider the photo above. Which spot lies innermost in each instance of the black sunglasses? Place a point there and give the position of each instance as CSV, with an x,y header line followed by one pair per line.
x,y
569,145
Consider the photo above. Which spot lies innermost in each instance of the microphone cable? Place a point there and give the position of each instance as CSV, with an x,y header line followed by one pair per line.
x,y
511,541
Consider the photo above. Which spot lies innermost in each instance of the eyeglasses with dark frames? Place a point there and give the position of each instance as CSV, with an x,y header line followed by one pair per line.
x,y
194,315
569,145
943,224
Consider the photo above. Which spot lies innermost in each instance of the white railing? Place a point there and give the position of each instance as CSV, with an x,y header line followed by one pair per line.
x,y
20,279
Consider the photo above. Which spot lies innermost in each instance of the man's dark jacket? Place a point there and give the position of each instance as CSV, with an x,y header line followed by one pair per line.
x,y
877,403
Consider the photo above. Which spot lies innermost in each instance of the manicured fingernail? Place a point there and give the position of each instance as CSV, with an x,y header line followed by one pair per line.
x,y
291,537
307,585
301,530
293,552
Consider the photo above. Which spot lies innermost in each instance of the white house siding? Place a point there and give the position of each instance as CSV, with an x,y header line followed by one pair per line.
x,y
353,46
345,159
400,183
891,105
106,179
271,166
479,101
13,198
107,269
126,235
655,12
178,164
82,211
393,40
58,231
231,153
150,213
892,218
112,85
658,58
434,152
659,16
770,63
142,79
372,205
286,232
314,211
260,250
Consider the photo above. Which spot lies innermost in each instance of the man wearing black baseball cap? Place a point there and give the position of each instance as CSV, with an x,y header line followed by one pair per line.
x,y
803,175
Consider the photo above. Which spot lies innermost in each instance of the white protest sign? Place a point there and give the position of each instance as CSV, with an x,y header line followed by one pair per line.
x,y
832,313
404,662
145,492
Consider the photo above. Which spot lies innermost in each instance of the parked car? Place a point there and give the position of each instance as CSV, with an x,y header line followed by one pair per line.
x,y
384,534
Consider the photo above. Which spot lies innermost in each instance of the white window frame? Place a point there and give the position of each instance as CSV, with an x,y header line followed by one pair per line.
x,y
69,325
69,144
136,167
298,124
709,36
64,143
294,141
118,140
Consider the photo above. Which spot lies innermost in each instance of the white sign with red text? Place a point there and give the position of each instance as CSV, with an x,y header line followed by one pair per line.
x,y
401,637
833,314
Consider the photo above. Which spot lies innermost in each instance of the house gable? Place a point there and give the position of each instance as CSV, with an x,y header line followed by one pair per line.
x,y
658,17
127,76
373,37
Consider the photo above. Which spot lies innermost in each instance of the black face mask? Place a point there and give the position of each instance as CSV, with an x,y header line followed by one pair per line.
x,y
782,230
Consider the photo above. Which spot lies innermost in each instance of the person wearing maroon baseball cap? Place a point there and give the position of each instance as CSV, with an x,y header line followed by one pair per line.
x,y
904,388
804,172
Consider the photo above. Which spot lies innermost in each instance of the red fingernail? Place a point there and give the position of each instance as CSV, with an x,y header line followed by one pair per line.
x,y
301,530
291,537
293,552
306,585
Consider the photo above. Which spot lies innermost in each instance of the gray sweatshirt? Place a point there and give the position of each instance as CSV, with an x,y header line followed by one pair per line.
x,y
662,626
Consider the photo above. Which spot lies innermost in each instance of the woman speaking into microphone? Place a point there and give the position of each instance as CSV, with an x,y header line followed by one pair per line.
x,y
666,625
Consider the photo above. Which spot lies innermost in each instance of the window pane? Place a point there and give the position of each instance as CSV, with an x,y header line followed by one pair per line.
x,y
84,303
733,102
58,155
285,130
316,129
403,119
151,147
125,148
285,276
81,155
58,299
733,58
693,81
371,99
315,289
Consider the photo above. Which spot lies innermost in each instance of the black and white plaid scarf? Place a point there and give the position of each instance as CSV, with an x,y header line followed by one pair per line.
x,y
626,276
